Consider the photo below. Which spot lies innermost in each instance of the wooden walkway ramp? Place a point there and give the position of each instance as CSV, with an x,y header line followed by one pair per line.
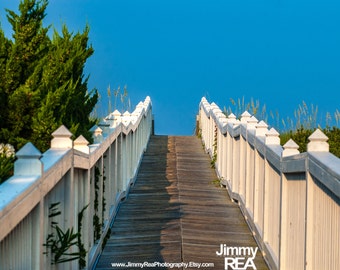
x,y
176,214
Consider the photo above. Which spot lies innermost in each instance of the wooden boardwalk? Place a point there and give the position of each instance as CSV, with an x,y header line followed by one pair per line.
x,y
175,213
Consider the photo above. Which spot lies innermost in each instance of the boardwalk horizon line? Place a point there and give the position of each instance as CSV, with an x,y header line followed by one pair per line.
x,y
176,212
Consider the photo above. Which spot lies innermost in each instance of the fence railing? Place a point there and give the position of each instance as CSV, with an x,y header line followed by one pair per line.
x,y
290,199
71,190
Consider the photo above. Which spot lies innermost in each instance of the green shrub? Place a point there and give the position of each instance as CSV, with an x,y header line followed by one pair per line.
x,y
333,135
300,136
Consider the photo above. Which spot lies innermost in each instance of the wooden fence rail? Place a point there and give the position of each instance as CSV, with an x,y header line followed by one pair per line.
x,y
74,186
290,199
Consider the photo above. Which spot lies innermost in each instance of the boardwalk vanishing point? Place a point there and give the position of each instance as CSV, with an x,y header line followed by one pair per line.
x,y
176,213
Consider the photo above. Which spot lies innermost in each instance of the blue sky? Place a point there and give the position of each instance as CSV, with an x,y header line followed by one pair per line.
x,y
275,51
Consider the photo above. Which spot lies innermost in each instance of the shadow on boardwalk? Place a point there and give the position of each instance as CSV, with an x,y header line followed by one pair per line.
x,y
147,227
174,213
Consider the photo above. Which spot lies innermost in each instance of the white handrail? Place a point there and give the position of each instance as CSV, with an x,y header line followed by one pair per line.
x,y
290,199
77,176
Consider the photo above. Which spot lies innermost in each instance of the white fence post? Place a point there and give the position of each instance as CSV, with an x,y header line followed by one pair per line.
x,y
293,209
28,161
323,200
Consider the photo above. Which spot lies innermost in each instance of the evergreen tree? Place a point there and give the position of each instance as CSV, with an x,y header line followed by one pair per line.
x,y
5,45
69,103
44,83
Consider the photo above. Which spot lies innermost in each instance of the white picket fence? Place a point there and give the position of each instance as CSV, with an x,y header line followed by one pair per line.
x,y
78,176
289,199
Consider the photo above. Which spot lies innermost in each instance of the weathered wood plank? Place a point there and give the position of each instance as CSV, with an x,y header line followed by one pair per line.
x,y
175,213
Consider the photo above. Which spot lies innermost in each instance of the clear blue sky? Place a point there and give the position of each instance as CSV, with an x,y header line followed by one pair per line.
x,y
281,52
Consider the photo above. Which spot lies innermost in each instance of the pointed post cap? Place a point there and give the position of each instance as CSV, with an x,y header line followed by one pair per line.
x,y
126,119
272,137
245,116
28,161
81,140
96,130
213,105
116,113
61,138
290,148
81,144
261,129
231,118
251,122
97,134
117,116
28,151
62,131
318,142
